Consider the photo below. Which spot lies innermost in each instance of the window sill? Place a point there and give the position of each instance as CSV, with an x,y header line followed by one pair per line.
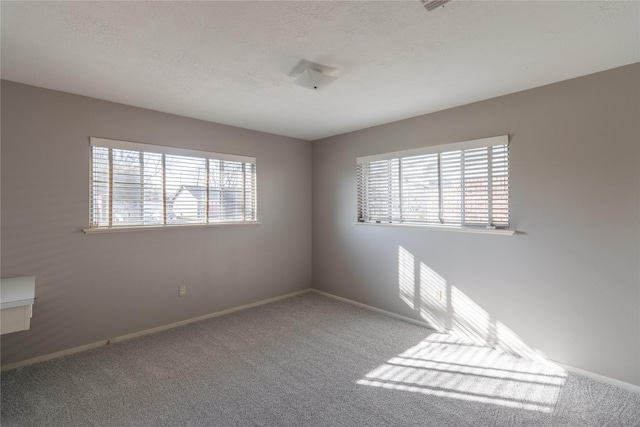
x,y
442,228
102,230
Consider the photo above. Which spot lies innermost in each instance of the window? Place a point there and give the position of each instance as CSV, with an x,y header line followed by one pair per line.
x,y
463,185
141,185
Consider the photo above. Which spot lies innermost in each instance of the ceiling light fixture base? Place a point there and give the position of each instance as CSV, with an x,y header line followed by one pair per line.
x,y
432,5
312,75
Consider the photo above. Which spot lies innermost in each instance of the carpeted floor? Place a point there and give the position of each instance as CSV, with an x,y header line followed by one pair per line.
x,y
306,361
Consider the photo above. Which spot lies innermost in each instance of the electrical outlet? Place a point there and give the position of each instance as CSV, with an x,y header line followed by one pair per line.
x,y
438,295
182,290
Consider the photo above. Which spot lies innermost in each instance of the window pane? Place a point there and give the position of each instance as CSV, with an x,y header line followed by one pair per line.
x,y
232,191
152,201
100,187
250,192
185,189
363,201
500,186
420,189
476,187
451,170
383,190
127,187
226,191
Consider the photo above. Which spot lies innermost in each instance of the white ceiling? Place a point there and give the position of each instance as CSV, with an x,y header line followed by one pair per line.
x,y
228,62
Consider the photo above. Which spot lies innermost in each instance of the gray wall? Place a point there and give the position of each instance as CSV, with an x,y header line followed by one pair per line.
x,y
568,286
93,287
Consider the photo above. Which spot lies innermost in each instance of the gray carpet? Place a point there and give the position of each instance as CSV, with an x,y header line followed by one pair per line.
x,y
306,361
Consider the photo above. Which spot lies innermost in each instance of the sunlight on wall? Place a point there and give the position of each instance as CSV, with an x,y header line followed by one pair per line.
x,y
406,276
468,319
433,298
508,341
444,366
446,308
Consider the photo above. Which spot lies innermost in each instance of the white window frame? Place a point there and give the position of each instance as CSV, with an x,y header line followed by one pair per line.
x,y
144,148
397,216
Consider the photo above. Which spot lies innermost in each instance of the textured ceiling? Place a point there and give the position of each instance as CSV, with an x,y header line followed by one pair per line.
x,y
228,62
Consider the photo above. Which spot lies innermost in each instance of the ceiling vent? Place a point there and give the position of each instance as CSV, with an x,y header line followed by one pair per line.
x,y
431,5
311,75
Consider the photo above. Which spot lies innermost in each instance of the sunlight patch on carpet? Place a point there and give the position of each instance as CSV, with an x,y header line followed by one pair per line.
x,y
445,366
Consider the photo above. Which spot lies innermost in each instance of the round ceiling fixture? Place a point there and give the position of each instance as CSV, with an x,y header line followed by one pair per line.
x,y
311,75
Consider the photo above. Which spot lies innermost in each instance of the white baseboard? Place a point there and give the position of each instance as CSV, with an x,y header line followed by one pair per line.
x,y
56,355
377,310
588,374
206,316
598,377
120,338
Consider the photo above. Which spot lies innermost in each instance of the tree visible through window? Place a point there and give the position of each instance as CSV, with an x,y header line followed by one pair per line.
x,y
464,184
145,185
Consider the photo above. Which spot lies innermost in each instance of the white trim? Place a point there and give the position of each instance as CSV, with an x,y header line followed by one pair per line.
x,y
502,231
149,148
463,145
378,310
52,356
90,346
124,229
592,375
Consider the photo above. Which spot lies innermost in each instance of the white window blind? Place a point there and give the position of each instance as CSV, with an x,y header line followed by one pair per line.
x,y
136,185
464,184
